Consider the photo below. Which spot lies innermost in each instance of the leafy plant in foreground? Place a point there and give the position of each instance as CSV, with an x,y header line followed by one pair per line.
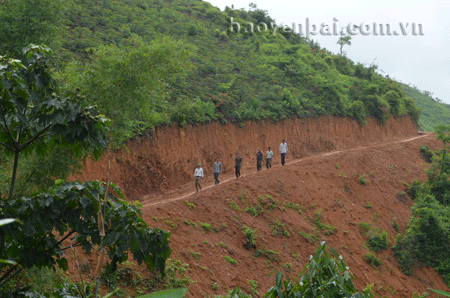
x,y
325,276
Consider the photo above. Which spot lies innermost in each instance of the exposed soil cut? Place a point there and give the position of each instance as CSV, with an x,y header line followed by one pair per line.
x,y
322,177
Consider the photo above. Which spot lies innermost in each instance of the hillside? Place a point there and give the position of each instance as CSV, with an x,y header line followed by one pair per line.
x,y
165,159
433,112
317,196
150,63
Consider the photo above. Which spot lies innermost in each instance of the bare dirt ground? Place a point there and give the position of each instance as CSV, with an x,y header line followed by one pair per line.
x,y
317,195
324,183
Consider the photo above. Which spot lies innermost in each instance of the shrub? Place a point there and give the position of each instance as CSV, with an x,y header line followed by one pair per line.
x,y
319,279
251,237
426,153
372,260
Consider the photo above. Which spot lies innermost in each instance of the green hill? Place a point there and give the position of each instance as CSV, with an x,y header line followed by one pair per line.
x,y
153,62
433,112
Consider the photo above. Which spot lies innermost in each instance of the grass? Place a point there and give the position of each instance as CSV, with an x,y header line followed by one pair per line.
x,y
187,222
329,230
372,260
234,205
368,205
195,255
206,226
310,238
251,237
270,254
293,206
190,205
254,285
230,260
214,286
278,225
362,180
377,239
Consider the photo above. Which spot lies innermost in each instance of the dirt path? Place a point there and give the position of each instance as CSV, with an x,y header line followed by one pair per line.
x,y
183,192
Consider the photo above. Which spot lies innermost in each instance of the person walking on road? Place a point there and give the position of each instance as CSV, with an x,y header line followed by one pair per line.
x,y
283,150
237,165
217,169
269,155
198,174
259,158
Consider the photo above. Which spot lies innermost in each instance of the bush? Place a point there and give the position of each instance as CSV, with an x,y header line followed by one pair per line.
x,y
426,153
325,276
372,260
251,237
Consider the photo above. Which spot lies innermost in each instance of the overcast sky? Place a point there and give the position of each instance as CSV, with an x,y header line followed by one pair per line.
x,y
420,60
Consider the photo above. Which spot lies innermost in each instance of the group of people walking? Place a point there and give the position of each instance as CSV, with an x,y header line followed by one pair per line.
x,y
217,168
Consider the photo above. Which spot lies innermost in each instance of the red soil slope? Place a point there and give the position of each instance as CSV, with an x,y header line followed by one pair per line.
x,y
326,158
167,159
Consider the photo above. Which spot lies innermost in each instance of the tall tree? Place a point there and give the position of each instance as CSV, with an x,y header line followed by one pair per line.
x,y
28,21
344,40
129,82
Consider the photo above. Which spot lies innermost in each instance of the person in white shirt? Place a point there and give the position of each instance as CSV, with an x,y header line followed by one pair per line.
x,y
269,155
283,149
198,174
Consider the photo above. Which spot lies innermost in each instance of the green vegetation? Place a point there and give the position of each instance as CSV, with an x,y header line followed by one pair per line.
x,y
377,239
234,205
147,64
426,238
362,180
318,279
321,226
206,226
230,260
187,222
37,118
372,260
279,225
190,205
250,237
254,285
433,110
195,255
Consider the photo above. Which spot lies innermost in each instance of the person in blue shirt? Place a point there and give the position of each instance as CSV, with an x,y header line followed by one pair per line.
x,y
259,158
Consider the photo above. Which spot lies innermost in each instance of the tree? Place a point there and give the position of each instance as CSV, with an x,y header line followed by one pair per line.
x,y
28,21
344,40
443,134
32,111
129,82
34,117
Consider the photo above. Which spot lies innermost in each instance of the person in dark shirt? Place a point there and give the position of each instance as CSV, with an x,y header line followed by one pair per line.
x,y
259,158
238,164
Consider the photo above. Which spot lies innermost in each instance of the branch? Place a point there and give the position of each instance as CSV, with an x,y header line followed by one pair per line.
x,y
7,273
65,237
10,148
75,245
24,145
5,128
11,276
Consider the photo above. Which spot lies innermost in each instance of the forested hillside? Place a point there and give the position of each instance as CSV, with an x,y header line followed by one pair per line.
x,y
108,49
433,111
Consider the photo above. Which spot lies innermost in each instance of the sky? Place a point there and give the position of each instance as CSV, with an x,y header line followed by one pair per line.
x,y
421,59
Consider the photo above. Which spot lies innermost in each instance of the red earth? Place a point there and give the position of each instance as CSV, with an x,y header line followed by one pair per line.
x,y
326,158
